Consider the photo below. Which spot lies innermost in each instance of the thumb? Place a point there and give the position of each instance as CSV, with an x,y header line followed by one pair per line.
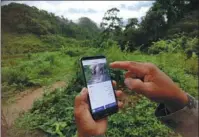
x,y
136,84
81,98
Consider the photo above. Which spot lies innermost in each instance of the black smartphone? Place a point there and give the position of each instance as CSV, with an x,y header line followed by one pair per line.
x,y
101,94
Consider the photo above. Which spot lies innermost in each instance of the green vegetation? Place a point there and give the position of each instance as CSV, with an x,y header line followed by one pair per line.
x,y
40,22
88,72
43,48
54,113
39,69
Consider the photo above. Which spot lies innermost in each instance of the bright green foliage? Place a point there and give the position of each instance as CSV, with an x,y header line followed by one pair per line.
x,y
181,44
176,66
13,43
41,48
54,113
137,121
42,69
17,44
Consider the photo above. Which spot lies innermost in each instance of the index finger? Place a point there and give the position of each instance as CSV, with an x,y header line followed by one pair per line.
x,y
135,67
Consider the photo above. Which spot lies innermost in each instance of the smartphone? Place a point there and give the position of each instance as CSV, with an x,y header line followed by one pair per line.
x,y
101,94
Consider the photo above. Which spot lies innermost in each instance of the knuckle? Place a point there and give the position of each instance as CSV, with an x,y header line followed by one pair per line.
x,y
150,89
132,63
77,113
151,66
129,63
136,84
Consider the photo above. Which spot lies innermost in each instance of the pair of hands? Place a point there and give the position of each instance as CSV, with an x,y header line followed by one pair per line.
x,y
155,85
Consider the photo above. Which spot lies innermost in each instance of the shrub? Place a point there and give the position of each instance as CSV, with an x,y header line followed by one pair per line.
x,y
14,76
71,53
191,66
192,46
158,47
54,115
183,43
51,59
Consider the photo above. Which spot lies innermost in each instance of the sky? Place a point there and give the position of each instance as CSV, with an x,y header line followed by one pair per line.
x,y
94,10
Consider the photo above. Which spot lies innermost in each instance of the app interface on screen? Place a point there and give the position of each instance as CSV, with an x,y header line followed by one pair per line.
x,y
99,84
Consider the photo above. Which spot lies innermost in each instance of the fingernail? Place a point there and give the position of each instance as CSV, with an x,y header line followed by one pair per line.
x,y
127,82
83,91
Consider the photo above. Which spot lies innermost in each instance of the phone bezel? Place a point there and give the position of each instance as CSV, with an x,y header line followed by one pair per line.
x,y
109,111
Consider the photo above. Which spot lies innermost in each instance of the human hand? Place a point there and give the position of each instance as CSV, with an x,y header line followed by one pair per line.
x,y
86,126
150,81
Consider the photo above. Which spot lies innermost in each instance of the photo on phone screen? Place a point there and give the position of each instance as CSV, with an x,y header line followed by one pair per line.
x,y
99,84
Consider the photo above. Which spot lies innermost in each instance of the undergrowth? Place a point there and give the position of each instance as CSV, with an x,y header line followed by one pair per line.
x,y
54,113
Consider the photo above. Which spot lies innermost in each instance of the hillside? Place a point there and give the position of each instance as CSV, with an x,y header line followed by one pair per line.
x,y
21,18
27,29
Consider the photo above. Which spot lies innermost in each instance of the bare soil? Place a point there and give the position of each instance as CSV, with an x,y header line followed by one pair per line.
x,y
24,101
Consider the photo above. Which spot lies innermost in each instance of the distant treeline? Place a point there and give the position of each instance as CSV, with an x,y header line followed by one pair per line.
x,y
22,18
166,19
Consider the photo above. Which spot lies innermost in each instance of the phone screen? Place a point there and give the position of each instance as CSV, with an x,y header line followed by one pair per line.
x,y
99,84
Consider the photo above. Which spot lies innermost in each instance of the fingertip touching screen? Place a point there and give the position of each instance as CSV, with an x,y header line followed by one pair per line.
x,y
99,84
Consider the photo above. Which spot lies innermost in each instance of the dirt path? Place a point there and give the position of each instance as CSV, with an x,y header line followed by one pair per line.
x,y
24,101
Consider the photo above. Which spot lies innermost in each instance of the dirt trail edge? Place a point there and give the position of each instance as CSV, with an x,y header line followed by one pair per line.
x,y
25,101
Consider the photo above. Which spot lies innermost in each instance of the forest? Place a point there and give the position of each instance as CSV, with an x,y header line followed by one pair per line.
x,y
39,49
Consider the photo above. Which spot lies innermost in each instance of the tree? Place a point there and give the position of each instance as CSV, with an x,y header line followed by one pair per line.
x,y
111,25
132,23
111,21
154,24
88,26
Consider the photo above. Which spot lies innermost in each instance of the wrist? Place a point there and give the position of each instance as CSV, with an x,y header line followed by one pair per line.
x,y
177,103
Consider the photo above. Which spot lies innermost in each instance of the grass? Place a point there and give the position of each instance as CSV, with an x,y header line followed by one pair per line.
x,y
18,44
183,71
54,113
39,69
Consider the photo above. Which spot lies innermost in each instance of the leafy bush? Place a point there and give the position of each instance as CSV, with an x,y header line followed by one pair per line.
x,y
51,59
191,66
159,46
18,44
13,76
179,71
71,53
53,40
40,69
192,47
53,113
137,121
180,44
